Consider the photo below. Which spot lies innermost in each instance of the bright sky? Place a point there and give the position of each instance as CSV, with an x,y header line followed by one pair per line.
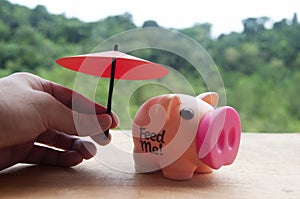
x,y
225,15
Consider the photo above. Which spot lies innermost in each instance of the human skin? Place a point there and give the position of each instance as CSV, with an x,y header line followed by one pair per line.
x,y
38,124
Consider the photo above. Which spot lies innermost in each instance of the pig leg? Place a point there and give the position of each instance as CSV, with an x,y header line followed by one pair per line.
x,y
203,169
177,171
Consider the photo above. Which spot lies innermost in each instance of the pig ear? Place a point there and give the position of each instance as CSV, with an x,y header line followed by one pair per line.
x,y
169,103
210,97
175,101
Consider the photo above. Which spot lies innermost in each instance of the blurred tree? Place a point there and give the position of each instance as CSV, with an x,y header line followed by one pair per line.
x,y
4,31
150,23
279,26
39,15
254,25
109,26
295,19
201,33
294,102
32,37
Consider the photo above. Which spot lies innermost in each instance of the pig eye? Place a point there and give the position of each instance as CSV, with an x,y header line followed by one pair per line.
x,y
186,113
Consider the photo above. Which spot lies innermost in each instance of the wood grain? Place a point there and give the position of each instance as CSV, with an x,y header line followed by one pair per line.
x,y
267,166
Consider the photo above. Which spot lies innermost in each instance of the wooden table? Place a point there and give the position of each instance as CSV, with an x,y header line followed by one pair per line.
x,y
267,166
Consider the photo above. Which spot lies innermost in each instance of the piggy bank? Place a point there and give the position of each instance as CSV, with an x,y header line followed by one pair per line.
x,y
182,135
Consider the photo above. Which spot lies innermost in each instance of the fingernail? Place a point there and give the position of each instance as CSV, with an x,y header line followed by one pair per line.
x,y
101,139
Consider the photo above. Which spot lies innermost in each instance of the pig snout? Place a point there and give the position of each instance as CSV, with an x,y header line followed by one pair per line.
x,y
218,137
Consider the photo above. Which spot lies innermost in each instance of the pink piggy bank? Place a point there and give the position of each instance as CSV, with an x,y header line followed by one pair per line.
x,y
182,135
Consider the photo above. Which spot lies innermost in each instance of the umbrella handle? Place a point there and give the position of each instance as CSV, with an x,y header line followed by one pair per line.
x,y
111,88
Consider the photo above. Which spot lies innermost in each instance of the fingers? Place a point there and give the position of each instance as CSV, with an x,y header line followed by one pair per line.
x,y
57,116
5,154
67,142
102,139
72,99
115,120
73,151
69,98
65,110
76,101
48,156
13,155
40,155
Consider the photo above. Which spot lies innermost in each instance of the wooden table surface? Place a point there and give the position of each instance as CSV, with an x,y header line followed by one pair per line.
x,y
267,166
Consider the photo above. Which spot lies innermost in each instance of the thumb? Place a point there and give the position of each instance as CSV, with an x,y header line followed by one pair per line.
x,y
58,116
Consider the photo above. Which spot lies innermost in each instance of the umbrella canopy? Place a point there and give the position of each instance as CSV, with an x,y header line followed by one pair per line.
x,y
127,67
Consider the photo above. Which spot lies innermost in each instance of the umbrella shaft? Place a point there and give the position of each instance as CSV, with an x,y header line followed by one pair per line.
x,y
111,85
111,88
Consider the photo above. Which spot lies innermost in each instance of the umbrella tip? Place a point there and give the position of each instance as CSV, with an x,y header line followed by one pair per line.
x,y
116,46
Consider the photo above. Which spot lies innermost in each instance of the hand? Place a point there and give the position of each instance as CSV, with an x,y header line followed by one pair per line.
x,y
38,125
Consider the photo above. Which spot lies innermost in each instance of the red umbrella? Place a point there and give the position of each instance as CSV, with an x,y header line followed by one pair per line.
x,y
114,65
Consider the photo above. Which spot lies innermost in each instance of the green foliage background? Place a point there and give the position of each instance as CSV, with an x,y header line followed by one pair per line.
x,y
260,66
